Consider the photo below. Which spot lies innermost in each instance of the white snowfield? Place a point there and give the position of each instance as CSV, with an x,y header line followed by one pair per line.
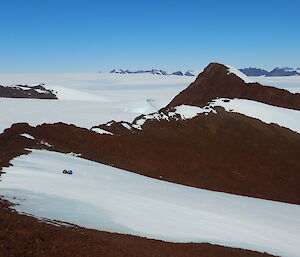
x,y
290,83
110,199
267,113
89,99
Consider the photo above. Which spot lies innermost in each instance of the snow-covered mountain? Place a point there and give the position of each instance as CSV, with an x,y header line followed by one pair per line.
x,y
276,72
251,71
155,72
254,71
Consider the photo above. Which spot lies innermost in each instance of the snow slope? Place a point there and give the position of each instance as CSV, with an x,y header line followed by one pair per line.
x,y
238,73
267,113
106,198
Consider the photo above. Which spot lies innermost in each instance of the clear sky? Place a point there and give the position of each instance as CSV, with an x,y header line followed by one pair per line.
x,y
90,35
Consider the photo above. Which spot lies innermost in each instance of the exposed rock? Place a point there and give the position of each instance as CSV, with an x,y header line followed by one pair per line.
x,y
216,81
24,91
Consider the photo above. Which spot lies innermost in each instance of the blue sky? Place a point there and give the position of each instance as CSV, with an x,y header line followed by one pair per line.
x,y
89,35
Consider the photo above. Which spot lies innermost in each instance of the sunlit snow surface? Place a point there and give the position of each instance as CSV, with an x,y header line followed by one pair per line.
x,y
106,198
27,136
291,83
89,99
101,131
267,113
238,73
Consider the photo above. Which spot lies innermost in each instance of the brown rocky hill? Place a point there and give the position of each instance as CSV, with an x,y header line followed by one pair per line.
x,y
216,81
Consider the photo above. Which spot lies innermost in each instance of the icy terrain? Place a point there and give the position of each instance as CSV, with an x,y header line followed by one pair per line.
x,y
290,83
283,117
106,198
267,113
90,99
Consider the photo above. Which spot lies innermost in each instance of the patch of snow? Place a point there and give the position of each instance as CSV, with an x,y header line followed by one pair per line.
x,y
40,91
153,116
110,199
189,112
27,136
238,74
101,131
109,124
75,154
126,125
183,111
267,113
139,123
47,144
23,88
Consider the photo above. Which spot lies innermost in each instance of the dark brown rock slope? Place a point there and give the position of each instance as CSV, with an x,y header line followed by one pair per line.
x,y
24,91
215,81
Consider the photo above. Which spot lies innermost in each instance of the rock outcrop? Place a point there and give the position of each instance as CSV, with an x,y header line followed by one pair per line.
x,y
217,81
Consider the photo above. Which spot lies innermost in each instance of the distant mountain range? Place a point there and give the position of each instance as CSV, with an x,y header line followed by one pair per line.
x,y
278,72
156,72
251,71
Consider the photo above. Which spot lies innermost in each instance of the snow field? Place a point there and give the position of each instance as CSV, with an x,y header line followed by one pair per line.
x,y
90,99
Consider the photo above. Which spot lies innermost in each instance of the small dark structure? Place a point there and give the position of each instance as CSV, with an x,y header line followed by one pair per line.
x,y
70,172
